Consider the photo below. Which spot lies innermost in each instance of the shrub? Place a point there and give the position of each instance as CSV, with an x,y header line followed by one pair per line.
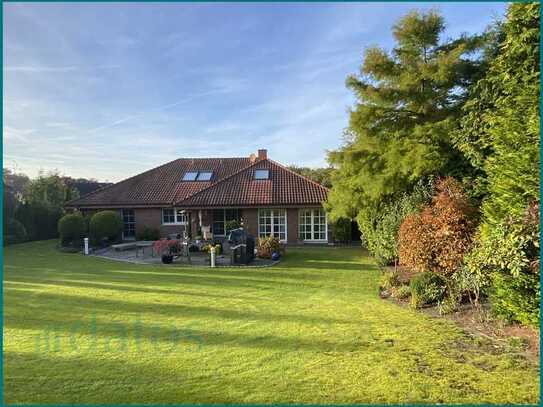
x,y
71,229
148,233
427,288
507,255
265,246
516,298
39,220
14,232
341,230
389,279
466,284
166,246
401,292
380,226
437,238
105,225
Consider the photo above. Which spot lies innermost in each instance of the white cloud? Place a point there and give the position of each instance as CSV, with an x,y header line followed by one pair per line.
x,y
55,69
12,134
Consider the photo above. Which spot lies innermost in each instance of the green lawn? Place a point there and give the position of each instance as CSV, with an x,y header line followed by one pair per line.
x,y
311,330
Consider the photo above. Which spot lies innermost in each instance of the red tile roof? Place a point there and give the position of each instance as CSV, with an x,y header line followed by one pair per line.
x,y
232,184
284,187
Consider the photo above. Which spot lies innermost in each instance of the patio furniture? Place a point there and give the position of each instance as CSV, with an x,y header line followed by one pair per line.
x,y
242,247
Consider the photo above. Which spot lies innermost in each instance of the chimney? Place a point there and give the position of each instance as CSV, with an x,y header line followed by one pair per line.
x,y
252,158
262,154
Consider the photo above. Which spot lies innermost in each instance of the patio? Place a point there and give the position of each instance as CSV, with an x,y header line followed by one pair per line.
x,y
145,255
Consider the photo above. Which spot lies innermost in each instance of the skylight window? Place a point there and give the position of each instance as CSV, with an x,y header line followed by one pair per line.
x,y
262,174
204,176
197,176
190,176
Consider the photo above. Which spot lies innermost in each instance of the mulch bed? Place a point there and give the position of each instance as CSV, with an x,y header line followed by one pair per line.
x,y
478,321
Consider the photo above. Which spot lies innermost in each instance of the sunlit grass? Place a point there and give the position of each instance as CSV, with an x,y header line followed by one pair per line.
x,y
310,330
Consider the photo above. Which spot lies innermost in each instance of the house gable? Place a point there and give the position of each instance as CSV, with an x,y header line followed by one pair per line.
x,y
283,187
232,183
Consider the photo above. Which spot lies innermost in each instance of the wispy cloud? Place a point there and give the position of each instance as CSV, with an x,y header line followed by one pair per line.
x,y
56,69
159,109
115,89
12,134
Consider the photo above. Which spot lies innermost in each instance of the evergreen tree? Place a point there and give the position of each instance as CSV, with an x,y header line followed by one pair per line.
x,y
500,128
500,134
408,104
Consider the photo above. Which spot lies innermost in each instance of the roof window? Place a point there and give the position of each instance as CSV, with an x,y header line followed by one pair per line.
x,y
262,174
197,176
204,176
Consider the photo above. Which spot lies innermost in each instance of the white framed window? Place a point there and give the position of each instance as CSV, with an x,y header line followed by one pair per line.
x,y
173,216
312,225
272,222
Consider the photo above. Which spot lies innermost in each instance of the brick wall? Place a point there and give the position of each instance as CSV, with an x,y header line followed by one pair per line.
x,y
292,225
152,218
250,220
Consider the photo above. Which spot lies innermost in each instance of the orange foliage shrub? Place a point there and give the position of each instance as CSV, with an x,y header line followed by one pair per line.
x,y
437,238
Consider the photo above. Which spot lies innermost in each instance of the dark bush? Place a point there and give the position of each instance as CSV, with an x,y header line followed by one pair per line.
x,y
39,220
14,232
341,230
148,234
105,225
427,288
71,229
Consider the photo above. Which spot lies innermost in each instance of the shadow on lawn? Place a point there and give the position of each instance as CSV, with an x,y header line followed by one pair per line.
x,y
87,305
41,283
150,276
75,379
129,336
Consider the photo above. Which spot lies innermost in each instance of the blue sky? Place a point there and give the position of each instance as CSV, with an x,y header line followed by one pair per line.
x,y
109,90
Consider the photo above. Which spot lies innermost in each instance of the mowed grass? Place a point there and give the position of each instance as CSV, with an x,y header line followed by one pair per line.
x,y
310,330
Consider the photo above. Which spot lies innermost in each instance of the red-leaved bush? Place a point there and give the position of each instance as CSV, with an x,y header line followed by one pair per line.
x,y
164,246
437,238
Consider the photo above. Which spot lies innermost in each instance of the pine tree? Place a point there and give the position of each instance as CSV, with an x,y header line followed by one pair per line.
x,y
408,104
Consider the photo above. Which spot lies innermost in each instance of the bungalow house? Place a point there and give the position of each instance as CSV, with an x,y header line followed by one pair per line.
x,y
189,195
